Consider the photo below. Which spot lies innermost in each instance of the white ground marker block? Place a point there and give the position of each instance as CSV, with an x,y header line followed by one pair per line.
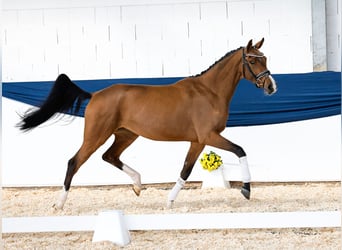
x,y
214,179
111,226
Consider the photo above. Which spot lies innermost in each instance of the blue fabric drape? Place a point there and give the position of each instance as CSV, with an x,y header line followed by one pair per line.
x,y
299,96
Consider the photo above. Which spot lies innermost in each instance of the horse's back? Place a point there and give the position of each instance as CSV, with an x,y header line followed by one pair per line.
x,y
142,95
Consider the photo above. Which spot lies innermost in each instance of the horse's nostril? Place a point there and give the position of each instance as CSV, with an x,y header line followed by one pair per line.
x,y
270,89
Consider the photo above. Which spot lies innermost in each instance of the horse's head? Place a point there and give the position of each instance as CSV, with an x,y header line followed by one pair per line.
x,y
254,67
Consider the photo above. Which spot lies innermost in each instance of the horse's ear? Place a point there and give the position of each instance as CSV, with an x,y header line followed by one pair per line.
x,y
259,44
249,45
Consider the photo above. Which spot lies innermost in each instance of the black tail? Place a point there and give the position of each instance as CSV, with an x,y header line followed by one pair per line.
x,y
62,97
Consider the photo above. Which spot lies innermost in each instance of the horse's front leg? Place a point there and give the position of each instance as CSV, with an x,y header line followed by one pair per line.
x,y
246,177
193,153
218,141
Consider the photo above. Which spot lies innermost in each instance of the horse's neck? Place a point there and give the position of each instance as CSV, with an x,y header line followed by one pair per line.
x,y
224,77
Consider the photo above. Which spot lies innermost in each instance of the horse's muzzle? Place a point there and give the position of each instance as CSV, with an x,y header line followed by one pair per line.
x,y
270,86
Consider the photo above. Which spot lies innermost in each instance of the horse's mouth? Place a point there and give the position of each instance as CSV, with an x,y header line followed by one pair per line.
x,y
270,87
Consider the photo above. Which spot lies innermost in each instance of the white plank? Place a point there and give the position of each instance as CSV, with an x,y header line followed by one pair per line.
x,y
177,221
48,224
233,220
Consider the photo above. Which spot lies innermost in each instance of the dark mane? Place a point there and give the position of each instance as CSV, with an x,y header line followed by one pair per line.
x,y
223,57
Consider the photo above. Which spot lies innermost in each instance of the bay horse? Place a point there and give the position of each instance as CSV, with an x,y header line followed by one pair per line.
x,y
194,109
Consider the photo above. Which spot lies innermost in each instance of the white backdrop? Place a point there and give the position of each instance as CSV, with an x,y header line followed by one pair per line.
x,y
297,151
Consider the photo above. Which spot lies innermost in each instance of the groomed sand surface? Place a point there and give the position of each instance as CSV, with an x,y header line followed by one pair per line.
x,y
283,197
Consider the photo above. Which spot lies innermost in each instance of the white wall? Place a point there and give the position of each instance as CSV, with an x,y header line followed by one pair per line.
x,y
296,151
112,39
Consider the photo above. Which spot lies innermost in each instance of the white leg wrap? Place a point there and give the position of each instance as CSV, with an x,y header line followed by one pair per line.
x,y
61,201
133,174
175,190
245,175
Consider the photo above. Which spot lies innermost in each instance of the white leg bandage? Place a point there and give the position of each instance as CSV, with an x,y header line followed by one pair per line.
x,y
245,175
133,174
175,190
60,203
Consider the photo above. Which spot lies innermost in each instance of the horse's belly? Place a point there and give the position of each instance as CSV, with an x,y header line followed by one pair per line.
x,y
166,127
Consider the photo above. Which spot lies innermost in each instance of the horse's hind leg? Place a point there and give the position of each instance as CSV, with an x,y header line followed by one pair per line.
x,y
95,134
193,153
123,139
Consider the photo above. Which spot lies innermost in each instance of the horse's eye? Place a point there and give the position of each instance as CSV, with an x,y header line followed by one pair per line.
x,y
252,62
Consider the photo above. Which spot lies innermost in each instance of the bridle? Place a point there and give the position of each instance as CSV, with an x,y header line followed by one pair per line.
x,y
257,77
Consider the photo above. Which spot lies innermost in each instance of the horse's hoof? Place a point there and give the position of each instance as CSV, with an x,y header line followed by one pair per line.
x,y
246,190
136,190
246,193
57,207
169,204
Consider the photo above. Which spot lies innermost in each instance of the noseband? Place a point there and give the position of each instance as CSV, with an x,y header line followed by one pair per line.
x,y
257,77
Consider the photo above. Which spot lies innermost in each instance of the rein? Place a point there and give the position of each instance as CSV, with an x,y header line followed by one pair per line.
x,y
257,77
